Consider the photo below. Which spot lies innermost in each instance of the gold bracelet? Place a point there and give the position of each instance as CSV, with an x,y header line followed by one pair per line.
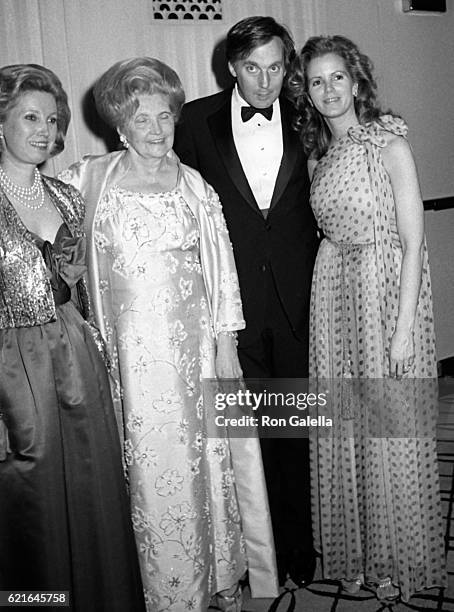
x,y
230,334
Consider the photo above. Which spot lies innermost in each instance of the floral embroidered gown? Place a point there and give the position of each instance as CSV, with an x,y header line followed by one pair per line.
x,y
158,328
375,488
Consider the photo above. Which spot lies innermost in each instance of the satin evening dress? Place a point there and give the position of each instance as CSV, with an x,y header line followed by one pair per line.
x,y
64,513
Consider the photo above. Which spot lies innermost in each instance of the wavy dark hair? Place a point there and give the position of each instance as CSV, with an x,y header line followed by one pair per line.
x,y
253,32
315,134
18,79
117,89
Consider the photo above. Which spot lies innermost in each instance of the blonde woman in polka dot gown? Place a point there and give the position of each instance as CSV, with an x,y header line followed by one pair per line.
x,y
375,493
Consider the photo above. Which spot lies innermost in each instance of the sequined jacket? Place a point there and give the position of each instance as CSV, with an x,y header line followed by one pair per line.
x,y
26,297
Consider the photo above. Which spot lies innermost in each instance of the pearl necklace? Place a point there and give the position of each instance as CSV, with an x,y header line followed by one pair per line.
x,y
24,195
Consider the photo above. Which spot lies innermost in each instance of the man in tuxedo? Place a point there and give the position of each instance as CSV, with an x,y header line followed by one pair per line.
x,y
241,141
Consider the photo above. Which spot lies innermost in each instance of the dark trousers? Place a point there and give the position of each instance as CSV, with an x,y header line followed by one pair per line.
x,y
277,353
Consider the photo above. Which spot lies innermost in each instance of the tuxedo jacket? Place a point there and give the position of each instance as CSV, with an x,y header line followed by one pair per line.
x,y
285,242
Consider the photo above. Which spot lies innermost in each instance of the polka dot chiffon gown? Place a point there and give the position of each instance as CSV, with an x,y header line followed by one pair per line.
x,y
375,485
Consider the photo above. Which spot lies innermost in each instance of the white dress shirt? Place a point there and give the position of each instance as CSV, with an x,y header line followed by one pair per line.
x,y
259,146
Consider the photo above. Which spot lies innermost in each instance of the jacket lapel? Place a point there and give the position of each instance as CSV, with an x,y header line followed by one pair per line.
x,y
65,205
290,146
220,125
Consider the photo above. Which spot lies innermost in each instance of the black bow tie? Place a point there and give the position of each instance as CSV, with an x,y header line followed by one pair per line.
x,y
247,112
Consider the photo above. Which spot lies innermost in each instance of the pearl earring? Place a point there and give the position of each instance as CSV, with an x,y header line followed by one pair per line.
x,y
124,141
355,91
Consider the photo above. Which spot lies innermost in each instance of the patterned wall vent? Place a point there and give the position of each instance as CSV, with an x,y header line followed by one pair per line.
x,y
187,10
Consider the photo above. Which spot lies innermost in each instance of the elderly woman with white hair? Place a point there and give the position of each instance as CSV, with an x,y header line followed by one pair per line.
x,y
166,298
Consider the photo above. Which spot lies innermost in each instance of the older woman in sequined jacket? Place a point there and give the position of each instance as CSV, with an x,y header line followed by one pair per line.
x,y
64,522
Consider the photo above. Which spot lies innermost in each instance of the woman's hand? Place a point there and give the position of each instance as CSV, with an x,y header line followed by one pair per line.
x,y
400,165
401,352
227,362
